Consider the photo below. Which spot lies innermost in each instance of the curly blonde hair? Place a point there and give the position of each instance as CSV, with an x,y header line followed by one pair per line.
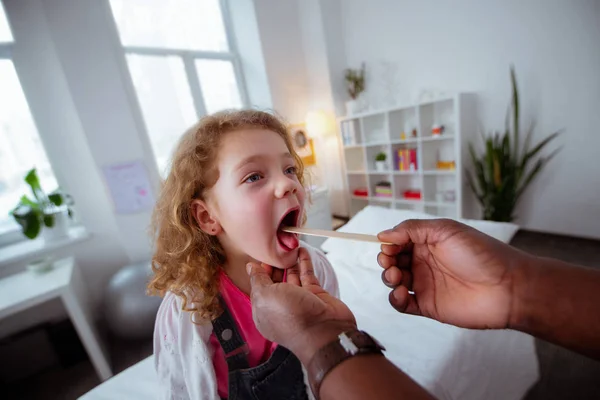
x,y
187,260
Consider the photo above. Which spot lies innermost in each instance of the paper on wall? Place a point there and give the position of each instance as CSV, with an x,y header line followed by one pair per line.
x,y
129,187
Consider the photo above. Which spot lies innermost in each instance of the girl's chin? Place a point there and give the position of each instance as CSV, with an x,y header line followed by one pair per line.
x,y
287,260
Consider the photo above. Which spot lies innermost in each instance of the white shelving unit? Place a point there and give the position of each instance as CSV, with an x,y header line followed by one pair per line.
x,y
380,131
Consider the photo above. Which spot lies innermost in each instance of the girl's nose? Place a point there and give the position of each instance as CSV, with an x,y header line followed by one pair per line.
x,y
284,187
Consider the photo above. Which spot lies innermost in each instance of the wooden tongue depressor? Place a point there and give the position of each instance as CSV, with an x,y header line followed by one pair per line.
x,y
333,234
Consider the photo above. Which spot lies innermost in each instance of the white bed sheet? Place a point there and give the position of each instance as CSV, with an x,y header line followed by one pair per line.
x,y
136,382
450,362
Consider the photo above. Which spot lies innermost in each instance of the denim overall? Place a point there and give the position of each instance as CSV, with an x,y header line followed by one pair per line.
x,y
280,377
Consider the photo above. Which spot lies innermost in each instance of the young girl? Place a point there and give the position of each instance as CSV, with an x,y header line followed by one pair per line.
x,y
235,180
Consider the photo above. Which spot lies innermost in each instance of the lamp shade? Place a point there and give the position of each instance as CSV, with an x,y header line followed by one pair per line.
x,y
319,123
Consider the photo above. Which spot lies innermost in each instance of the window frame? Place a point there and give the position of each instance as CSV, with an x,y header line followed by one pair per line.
x,y
13,235
188,57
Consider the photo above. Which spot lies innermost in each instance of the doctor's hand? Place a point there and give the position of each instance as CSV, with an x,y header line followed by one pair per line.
x,y
458,275
298,314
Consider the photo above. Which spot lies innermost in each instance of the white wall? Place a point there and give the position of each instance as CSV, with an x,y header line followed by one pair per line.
x,y
301,58
468,45
280,36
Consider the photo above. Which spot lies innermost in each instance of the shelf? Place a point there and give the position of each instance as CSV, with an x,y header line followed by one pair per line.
x,y
39,247
387,200
374,198
398,107
406,201
437,138
401,142
406,172
440,172
440,204
360,172
406,141
374,144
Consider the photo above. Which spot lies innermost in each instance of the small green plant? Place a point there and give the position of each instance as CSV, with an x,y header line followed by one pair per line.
x,y
503,172
381,157
355,81
33,214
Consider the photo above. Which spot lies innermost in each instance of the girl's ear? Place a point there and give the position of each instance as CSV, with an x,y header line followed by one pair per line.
x,y
206,221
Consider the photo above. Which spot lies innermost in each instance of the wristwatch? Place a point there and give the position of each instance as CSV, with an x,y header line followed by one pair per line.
x,y
347,345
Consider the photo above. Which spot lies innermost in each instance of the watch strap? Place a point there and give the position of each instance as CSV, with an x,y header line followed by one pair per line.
x,y
347,345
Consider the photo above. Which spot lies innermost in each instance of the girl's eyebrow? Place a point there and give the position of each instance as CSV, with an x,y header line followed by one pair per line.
x,y
258,157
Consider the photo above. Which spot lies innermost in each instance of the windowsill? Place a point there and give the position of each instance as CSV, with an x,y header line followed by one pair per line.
x,y
33,248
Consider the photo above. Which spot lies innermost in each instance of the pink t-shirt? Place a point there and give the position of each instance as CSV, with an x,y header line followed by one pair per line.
x,y
240,308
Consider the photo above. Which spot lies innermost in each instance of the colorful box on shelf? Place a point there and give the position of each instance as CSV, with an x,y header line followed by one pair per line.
x,y
406,159
412,194
361,192
383,189
446,165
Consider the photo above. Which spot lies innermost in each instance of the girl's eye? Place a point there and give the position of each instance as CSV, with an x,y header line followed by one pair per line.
x,y
291,170
253,178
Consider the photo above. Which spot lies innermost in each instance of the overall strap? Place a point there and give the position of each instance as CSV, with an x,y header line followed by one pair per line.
x,y
231,340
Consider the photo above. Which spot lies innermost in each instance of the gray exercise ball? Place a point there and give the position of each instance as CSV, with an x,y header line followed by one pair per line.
x,y
130,313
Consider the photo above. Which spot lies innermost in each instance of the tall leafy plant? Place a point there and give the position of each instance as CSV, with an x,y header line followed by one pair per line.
x,y
33,214
504,171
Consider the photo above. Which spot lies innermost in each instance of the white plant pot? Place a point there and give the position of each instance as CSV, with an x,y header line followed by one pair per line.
x,y
60,229
380,166
354,106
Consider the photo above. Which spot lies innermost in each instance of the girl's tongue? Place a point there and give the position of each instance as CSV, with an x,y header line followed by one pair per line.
x,y
289,241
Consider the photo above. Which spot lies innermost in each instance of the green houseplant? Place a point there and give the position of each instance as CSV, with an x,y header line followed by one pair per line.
x,y
355,84
43,210
380,164
505,169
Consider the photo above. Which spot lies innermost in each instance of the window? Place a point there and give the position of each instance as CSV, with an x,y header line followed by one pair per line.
x,y
182,62
20,145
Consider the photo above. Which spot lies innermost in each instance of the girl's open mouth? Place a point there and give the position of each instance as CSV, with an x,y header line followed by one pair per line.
x,y
288,241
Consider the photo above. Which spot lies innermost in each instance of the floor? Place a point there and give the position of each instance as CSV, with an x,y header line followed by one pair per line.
x,y
563,374
70,383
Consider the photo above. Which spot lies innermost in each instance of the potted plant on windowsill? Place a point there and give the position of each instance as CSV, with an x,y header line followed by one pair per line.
x,y
47,212
355,83
380,162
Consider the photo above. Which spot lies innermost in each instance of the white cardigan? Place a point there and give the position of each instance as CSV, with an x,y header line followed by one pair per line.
x,y
182,354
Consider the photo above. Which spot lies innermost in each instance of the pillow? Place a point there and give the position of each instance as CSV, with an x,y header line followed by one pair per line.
x,y
373,219
370,220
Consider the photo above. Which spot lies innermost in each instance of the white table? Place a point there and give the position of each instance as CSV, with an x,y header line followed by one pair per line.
x,y
25,290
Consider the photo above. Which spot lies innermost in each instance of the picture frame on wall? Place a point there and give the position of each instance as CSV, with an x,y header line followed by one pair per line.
x,y
303,144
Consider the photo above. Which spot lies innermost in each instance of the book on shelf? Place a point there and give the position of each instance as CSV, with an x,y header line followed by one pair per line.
x,y
406,159
348,133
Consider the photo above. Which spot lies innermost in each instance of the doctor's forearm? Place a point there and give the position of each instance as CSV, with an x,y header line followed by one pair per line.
x,y
558,302
368,376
